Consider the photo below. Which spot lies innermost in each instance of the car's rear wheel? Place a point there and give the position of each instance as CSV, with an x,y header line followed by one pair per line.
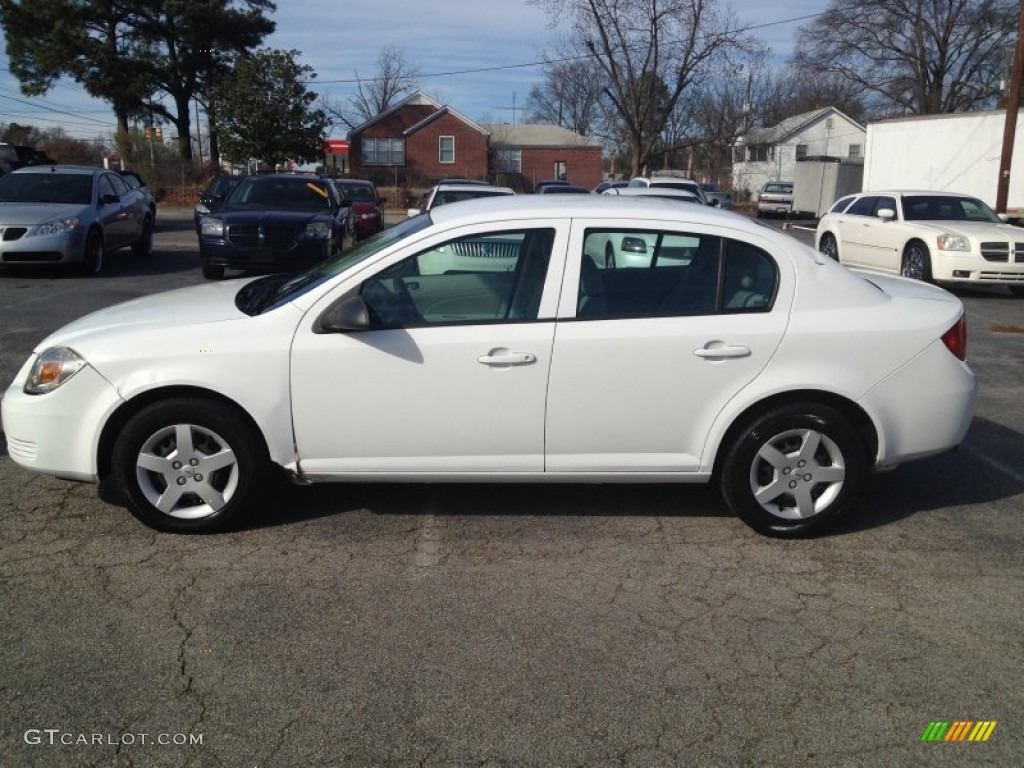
x,y
916,263
213,272
189,465
829,246
144,246
795,470
92,257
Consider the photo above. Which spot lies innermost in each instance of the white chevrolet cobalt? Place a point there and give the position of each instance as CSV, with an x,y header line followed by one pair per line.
x,y
491,341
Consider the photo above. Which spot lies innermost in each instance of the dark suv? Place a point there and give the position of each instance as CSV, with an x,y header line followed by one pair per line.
x,y
276,222
14,156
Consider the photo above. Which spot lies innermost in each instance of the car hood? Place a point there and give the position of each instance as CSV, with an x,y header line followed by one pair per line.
x,y
263,216
983,230
207,303
27,214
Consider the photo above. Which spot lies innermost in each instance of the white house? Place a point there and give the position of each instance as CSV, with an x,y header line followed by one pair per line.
x,y
770,154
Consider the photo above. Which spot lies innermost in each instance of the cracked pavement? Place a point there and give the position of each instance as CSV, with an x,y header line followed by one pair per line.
x,y
514,625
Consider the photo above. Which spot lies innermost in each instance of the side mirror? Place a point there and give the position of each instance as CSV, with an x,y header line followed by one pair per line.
x,y
382,201
886,214
1003,217
347,315
346,203
413,212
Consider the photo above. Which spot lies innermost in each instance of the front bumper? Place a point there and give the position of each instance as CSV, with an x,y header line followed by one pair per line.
x,y
67,248
300,255
58,433
971,267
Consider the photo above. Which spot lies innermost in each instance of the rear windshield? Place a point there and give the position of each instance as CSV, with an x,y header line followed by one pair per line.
x,y
64,188
784,188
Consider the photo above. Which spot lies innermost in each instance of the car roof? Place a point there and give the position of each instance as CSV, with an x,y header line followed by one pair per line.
x,y
656,190
896,192
539,207
76,169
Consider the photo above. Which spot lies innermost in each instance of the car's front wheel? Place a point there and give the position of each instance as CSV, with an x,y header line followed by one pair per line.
x,y
189,465
144,245
794,470
829,246
916,263
92,257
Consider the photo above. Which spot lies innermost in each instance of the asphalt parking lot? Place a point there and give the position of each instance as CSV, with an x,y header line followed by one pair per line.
x,y
513,625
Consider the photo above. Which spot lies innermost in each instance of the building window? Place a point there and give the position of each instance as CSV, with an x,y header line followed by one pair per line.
x,y
801,151
758,153
383,151
446,149
561,170
510,160
855,150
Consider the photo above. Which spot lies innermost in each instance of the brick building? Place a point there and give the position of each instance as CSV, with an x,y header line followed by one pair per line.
x,y
419,141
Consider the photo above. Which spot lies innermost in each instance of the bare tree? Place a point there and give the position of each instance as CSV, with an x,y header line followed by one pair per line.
x,y
649,52
570,95
913,56
395,77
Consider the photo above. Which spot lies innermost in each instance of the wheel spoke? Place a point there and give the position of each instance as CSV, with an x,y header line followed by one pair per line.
x,y
209,495
159,464
771,492
804,500
773,456
183,439
830,474
809,446
219,460
170,497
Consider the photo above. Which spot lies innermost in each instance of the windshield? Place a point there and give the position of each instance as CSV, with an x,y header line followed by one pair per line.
x,y
65,188
947,208
274,291
297,193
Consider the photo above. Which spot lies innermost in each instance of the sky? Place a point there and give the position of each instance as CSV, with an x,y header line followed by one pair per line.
x,y
339,39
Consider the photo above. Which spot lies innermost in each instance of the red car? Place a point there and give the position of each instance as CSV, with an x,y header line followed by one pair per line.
x,y
366,212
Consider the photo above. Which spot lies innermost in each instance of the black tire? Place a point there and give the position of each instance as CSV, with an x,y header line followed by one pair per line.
x,y
829,246
92,256
144,246
916,262
794,471
221,475
213,272
1016,290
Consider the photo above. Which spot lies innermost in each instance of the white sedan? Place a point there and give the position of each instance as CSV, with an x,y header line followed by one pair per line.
x,y
481,343
931,236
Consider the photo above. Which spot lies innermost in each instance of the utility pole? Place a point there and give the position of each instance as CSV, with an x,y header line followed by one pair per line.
x,y
1012,105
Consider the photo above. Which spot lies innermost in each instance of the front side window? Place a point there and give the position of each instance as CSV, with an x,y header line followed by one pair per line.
x,y
383,151
635,274
446,149
483,278
841,205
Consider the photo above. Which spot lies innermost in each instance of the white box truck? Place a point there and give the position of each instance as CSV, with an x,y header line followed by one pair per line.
x,y
947,153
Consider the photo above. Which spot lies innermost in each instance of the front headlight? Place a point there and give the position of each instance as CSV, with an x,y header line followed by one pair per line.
x,y
211,227
953,243
54,227
317,230
53,367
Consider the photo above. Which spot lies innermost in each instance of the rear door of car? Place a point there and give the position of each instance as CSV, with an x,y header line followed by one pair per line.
x,y
646,357
453,374
852,227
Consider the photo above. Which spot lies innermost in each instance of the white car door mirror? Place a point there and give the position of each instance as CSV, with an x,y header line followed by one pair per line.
x,y
886,214
1003,217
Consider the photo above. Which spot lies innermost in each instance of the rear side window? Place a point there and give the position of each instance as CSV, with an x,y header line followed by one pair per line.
x,y
841,205
635,274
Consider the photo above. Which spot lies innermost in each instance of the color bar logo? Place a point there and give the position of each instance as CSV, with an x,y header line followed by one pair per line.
x,y
960,730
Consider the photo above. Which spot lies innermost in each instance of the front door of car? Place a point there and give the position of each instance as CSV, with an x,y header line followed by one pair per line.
x,y
119,219
853,226
450,375
880,239
647,355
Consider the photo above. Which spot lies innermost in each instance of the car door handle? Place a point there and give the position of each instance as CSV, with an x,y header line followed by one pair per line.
x,y
500,358
716,350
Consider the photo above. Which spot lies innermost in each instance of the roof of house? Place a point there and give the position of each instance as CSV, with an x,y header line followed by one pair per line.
x,y
791,125
418,99
538,136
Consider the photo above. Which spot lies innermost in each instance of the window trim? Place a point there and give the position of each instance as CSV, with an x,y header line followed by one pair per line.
x,y
441,150
391,152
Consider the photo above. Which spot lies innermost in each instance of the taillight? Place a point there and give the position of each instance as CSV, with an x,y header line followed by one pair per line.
x,y
955,338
